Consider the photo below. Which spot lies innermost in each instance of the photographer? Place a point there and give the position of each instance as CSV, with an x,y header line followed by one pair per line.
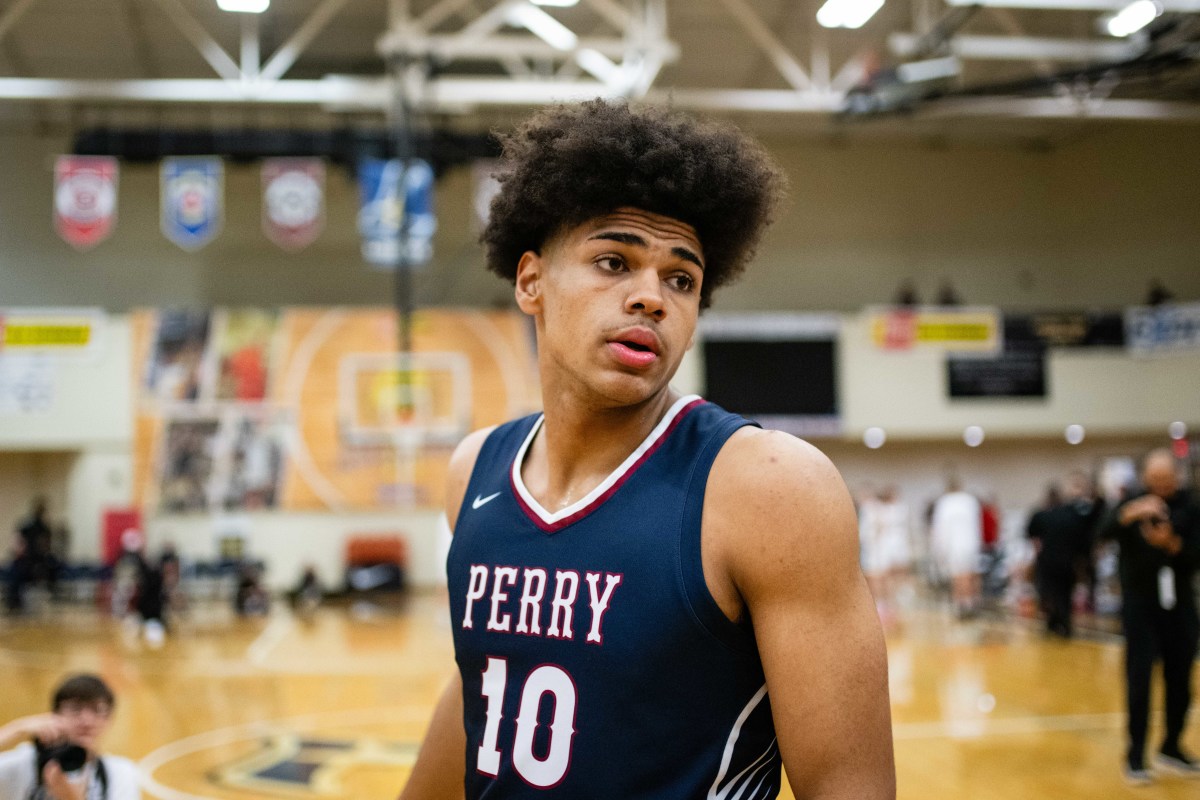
x,y
59,759
1159,535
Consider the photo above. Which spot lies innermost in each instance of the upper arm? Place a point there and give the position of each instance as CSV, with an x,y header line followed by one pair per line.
x,y
786,536
458,475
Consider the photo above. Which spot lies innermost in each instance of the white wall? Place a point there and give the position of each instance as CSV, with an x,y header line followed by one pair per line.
x,y
1107,391
289,542
92,400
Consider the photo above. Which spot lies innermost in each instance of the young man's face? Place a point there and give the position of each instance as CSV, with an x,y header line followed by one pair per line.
x,y
616,301
85,721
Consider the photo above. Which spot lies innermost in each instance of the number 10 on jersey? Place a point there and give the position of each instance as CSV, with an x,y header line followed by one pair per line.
x,y
542,772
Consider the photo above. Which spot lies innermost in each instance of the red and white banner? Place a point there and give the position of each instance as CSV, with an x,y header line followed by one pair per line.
x,y
85,199
293,201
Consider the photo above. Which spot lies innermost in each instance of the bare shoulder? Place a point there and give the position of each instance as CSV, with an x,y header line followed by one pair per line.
x,y
458,474
778,509
775,468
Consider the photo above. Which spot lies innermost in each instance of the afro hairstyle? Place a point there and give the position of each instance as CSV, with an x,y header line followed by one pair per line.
x,y
571,163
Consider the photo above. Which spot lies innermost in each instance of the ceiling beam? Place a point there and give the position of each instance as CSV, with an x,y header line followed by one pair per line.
x,y
617,15
1064,108
348,94
1175,6
355,92
452,46
766,40
251,53
142,54
1022,48
195,33
285,57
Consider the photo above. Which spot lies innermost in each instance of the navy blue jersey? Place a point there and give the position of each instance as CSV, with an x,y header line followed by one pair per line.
x,y
595,663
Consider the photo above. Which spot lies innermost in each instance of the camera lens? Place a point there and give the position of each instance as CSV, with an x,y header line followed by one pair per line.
x,y
70,757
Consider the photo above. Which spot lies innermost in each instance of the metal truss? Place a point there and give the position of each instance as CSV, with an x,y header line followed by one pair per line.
x,y
460,56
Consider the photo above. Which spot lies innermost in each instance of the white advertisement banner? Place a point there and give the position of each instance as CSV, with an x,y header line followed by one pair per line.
x,y
1165,328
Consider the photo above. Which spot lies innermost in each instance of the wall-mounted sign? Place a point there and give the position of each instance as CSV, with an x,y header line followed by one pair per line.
x,y
974,329
51,331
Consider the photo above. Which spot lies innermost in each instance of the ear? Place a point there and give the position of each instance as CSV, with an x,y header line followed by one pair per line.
x,y
528,290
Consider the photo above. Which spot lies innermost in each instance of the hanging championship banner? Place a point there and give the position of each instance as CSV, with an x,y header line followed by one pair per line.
x,y
293,201
85,199
397,206
192,200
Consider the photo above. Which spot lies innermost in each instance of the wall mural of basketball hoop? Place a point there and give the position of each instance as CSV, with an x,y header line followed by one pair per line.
x,y
312,409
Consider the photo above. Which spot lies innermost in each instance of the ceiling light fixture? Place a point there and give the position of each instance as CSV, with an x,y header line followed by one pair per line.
x,y
555,3
847,13
244,6
1132,18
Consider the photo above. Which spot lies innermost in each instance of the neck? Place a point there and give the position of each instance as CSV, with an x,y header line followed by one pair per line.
x,y
580,444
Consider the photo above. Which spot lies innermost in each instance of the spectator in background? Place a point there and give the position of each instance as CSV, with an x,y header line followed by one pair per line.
x,y
1061,535
906,294
43,769
251,599
127,571
947,295
989,523
33,558
887,554
308,593
1158,532
1157,294
956,537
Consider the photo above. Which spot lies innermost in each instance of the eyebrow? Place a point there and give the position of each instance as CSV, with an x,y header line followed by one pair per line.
x,y
638,241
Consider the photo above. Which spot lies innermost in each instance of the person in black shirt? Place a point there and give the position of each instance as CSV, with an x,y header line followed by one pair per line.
x,y
33,560
1062,532
1159,535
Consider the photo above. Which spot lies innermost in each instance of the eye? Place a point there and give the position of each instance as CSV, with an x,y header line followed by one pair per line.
x,y
610,263
682,281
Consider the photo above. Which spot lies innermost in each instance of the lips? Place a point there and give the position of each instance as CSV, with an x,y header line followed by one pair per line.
x,y
635,347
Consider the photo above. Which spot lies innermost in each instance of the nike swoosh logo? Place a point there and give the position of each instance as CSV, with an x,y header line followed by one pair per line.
x,y
481,501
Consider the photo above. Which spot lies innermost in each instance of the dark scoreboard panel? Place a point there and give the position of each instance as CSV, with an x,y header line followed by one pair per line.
x,y
778,377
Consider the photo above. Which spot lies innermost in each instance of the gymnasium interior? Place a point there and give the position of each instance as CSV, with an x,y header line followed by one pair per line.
x,y
245,320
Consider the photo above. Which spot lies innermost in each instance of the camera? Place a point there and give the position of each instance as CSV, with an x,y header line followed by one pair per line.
x,y
70,757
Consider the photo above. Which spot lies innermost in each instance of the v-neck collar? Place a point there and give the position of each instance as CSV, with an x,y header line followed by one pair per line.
x,y
551,522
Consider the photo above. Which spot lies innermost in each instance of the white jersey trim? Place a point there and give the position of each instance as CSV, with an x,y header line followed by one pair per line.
x,y
743,778
614,476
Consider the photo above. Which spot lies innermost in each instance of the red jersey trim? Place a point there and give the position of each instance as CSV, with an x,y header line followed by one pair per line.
x,y
549,523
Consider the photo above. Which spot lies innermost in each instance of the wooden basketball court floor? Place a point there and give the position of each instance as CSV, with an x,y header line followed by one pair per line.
x,y
334,706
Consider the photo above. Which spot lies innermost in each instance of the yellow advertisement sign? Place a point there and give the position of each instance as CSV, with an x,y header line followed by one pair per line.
x,y
58,331
973,330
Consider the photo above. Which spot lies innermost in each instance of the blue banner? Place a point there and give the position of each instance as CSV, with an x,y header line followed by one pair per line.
x,y
192,200
1162,328
396,217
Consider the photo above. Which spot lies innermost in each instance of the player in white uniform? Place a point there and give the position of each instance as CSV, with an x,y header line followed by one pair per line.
x,y
956,536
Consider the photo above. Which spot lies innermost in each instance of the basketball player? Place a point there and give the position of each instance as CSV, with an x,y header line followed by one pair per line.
x,y
650,597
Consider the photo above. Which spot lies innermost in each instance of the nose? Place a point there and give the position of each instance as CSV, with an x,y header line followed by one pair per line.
x,y
645,295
